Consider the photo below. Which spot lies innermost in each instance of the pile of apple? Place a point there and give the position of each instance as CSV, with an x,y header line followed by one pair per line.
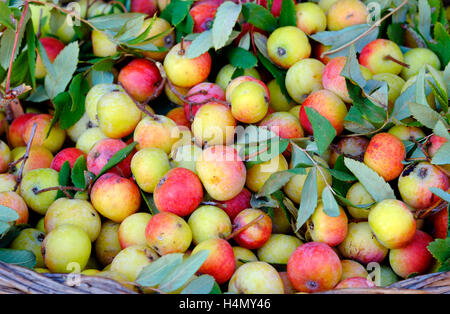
x,y
202,191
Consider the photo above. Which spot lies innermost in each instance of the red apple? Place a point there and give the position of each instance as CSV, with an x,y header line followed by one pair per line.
x,y
69,154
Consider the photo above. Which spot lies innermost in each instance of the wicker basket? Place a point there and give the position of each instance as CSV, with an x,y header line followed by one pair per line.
x,y
19,280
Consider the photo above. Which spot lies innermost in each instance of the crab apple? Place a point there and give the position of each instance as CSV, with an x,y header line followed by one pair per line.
x,y
35,180
73,212
439,222
257,234
377,56
185,72
179,117
353,147
327,229
345,13
16,130
214,124
355,282
172,96
31,240
384,155
295,111
392,223
395,84
132,230
55,139
203,14
102,45
311,18
89,138
221,171
278,100
314,267
256,278
209,222
415,182
352,269
141,79
5,156
130,261
360,244
406,133
149,7
287,45
102,152
412,258
220,262
179,191
326,4
258,174
110,190
416,58
70,154
159,26
241,79
65,245
280,223
117,114
327,105
237,204
94,95
249,102
168,233
358,195
157,131
435,143
52,47
201,94
7,182
148,166
278,248
294,187
243,255
107,245
186,156
284,124
38,157
15,201
317,50
225,74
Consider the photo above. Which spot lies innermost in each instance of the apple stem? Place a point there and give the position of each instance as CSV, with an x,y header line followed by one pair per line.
x,y
239,230
436,207
25,157
181,51
389,57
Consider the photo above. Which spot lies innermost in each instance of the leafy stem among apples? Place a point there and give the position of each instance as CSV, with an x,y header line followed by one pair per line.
x,y
186,146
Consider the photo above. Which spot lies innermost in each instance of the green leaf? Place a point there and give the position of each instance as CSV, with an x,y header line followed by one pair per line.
x,y
22,258
77,176
442,156
396,33
8,214
259,16
4,228
288,16
216,289
113,22
31,50
424,114
424,19
440,130
323,131
440,249
441,43
278,74
352,69
447,77
439,86
421,98
200,285
299,157
63,178
183,272
38,95
7,43
148,199
130,29
369,110
99,77
200,45
152,274
241,58
277,180
117,158
330,206
64,65
78,89
341,175
374,184
309,197
441,194
60,102
224,21
5,16
275,147
401,105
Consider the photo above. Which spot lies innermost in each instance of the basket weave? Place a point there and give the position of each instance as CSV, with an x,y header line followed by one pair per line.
x,y
19,280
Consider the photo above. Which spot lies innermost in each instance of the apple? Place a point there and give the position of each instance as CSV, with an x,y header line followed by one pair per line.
x,y
406,133
15,201
258,174
225,74
209,222
159,26
132,230
93,96
278,101
130,261
395,84
284,124
31,240
257,234
358,195
202,93
243,255
157,131
352,269
179,117
203,13
107,245
378,56
353,147
102,152
52,47
287,45
237,204
326,4
256,278
355,282
148,166
249,102
345,13
89,138
70,154
416,58
73,212
102,45
186,156
55,139
278,248
311,18
149,7
38,157
17,128
7,182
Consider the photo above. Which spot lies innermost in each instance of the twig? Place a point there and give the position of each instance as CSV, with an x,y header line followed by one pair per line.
x,y
141,106
375,25
440,204
239,230
25,157
63,189
257,153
